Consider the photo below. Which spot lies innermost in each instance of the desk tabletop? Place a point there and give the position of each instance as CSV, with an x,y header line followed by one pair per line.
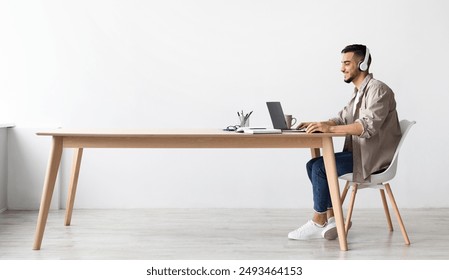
x,y
63,132
6,125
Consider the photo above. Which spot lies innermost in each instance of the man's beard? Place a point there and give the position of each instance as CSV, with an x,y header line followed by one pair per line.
x,y
348,80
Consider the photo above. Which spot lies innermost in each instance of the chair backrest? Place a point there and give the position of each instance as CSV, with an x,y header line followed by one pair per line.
x,y
390,172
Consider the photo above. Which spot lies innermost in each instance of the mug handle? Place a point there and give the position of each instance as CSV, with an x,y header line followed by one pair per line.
x,y
293,121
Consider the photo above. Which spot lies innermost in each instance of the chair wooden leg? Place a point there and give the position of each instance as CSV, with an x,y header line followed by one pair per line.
x,y
387,212
350,209
345,191
398,215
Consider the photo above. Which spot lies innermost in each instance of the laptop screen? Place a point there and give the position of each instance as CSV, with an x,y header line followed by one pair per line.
x,y
277,115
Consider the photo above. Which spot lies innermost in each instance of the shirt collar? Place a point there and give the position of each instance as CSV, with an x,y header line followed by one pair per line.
x,y
363,85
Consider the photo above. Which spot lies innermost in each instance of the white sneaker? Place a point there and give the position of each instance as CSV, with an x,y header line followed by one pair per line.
x,y
330,230
309,230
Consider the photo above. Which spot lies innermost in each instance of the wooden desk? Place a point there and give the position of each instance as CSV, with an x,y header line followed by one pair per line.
x,y
80,139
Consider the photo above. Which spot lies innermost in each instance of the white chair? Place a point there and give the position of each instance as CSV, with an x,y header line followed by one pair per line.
x,y
379,181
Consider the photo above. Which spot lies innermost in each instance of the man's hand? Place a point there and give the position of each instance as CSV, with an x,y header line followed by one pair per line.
x,y
302,125
318,127
323,126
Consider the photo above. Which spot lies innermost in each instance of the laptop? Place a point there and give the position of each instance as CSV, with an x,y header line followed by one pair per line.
x,y
278,117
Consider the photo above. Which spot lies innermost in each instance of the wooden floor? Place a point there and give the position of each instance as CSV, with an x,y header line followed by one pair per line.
x,y
218,234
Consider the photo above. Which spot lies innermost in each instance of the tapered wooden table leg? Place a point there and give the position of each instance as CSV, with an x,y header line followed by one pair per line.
x,y
77,155
332,179
49,186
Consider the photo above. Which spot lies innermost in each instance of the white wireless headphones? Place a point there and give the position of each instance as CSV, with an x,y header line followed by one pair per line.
x,y
363,65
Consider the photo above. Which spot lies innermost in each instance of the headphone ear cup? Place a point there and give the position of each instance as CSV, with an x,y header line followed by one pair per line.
x,y
363,66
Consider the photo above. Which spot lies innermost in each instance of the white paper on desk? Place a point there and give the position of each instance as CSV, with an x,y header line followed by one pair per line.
x,y
259,130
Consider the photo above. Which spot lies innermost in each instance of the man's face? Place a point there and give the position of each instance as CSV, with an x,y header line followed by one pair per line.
x,y
349,67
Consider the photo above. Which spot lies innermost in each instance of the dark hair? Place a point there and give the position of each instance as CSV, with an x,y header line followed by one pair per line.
x,y
358,50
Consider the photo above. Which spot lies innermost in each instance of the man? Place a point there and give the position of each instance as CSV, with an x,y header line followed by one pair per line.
x,y
371,121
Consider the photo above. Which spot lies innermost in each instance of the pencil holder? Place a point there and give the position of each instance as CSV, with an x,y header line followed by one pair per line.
x,y
244,118
244,122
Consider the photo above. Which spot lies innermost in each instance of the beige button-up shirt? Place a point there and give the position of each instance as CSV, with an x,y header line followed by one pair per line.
x,y
373,150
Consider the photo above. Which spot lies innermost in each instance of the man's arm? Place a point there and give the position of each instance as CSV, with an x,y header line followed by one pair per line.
x,y
352,129
331,127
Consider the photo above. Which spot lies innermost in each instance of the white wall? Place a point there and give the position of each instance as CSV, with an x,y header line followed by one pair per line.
x,y
194,64
27,163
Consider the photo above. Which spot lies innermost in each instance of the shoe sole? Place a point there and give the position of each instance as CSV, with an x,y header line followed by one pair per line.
x,y
332,233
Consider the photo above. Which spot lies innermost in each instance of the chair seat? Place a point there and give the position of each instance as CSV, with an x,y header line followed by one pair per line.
x,y
346,177
376,182
378,178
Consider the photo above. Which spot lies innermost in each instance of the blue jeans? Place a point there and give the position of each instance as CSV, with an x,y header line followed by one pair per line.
x,y
317,175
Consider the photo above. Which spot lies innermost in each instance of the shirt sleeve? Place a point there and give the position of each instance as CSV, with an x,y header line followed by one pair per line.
x,y
340,118
376,109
